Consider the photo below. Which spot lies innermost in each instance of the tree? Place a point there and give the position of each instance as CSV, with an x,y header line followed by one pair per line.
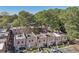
x,y
72,25
15,23
25,18
48,18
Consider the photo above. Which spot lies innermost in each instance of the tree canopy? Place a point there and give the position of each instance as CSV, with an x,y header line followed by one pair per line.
x,y
64,20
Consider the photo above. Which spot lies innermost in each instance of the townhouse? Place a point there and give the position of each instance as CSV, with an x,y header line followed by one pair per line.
x,y
56,38
31,40
41,40
16,38
21,38
47,39
19,41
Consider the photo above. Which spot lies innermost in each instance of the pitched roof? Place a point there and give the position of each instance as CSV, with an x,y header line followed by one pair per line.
x,y
20,36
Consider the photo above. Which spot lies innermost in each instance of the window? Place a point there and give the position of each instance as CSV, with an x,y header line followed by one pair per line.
x,y
28,35
39,41
15,32
29,40
37,37
47,35
51,42
18,42
19,35
32,40
22,41
44,40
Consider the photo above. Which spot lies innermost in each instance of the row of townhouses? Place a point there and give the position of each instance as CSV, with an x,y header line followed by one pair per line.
x,y
19,37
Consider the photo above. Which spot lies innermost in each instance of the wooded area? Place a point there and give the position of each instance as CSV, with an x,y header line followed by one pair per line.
x,y
64,20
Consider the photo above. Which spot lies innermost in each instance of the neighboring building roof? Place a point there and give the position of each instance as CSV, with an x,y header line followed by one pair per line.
x,y
20,36
19,30
49,34
3,40
30,35
2,30
41,35
16,28
3,34
44,35
6,33
57,35
1,46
